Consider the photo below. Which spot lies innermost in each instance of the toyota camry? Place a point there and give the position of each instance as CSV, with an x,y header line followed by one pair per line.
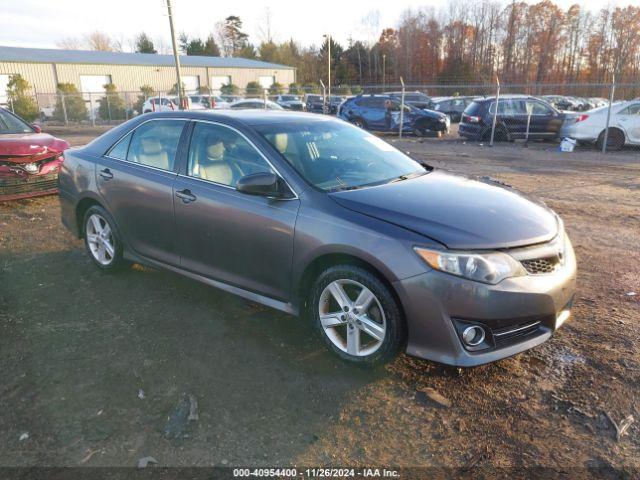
x,y
318,218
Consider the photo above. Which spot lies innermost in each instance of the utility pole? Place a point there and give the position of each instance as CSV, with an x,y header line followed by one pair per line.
x,y
328,37
176,57
384,72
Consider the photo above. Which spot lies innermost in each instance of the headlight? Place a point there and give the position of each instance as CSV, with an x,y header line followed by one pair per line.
x,y
31,167
481,267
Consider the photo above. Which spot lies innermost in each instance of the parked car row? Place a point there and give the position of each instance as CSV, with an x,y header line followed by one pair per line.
x,y
521,116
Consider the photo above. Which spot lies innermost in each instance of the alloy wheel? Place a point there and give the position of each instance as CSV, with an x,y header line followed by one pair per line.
x,y
100,239
352,317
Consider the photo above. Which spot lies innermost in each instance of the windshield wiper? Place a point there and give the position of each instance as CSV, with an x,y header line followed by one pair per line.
x,y
406,177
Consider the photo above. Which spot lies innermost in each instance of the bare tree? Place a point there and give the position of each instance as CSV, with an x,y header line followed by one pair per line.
x,y
265,29
70,43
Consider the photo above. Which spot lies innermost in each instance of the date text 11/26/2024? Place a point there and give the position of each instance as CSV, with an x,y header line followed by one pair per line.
x,y
316,472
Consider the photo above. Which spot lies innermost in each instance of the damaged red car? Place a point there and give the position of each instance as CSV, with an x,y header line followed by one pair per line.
x,y
29,159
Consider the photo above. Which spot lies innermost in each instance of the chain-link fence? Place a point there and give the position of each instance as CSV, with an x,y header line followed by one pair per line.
x,y
605,116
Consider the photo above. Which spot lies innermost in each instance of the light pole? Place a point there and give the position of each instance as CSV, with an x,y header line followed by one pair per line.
x,y
384,72
175,55
328,37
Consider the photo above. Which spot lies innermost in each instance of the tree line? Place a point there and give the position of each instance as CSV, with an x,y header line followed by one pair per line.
x,y
461,43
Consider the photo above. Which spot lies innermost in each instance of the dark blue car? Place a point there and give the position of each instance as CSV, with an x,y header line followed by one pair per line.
x,y
382,113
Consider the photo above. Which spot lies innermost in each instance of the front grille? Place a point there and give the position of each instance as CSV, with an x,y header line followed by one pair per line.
x,y
33,184
537,266
514,333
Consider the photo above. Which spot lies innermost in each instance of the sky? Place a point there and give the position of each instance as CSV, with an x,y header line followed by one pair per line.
x,y
43,23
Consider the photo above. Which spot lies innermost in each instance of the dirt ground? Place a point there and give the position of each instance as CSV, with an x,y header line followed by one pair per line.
x,y
91,365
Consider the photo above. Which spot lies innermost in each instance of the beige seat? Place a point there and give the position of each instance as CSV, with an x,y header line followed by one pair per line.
x,y
288,150
152,154
211,163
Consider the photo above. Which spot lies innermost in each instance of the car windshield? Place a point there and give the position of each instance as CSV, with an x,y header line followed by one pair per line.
x,y
334,156
12,124
289,98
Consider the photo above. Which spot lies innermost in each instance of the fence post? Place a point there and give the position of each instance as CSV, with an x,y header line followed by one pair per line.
x,y
108,106
606,128
35,93
529,110
92,112
324,98
11,104
401,109
64,109
495,112
265,98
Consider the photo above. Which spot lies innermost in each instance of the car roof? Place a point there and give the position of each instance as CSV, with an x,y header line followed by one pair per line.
x,y
503,97
248,100
232,118
249,117
405,92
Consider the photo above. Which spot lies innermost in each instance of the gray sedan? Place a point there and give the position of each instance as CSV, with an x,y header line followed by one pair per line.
x,y
318,218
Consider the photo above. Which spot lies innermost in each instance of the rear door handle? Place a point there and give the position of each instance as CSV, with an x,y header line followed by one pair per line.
x,y
186,195
106,174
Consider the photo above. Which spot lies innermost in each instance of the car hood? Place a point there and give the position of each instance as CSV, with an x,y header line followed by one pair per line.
x,y
456,211
29,147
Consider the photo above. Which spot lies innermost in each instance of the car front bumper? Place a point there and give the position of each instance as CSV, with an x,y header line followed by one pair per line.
x,y
17,187
521,312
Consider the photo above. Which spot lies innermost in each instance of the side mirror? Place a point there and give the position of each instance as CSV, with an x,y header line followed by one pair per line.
x,y
36,127
263,184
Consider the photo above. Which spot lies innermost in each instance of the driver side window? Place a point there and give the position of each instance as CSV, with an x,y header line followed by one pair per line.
x,y
221,155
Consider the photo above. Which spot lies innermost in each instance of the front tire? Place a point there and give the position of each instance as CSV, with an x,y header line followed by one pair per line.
x,y
102,240
357,315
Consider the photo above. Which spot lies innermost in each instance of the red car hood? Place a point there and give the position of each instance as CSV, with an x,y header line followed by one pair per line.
x,y
29,147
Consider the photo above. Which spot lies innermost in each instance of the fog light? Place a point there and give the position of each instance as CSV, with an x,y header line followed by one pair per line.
x,y
31,167
473,336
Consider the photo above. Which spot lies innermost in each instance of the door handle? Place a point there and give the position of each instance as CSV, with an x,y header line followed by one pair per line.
x,y
106,174
186,195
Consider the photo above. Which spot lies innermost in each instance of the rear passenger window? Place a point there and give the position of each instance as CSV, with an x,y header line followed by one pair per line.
x,y
155,143
538,108
631,110
119,150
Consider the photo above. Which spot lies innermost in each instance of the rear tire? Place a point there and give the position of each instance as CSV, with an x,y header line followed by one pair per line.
x,y
615,140
500,135
357,315
102,239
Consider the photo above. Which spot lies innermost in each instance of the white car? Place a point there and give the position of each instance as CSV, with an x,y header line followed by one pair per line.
x,y
255,103
203,102
159,104
589,126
